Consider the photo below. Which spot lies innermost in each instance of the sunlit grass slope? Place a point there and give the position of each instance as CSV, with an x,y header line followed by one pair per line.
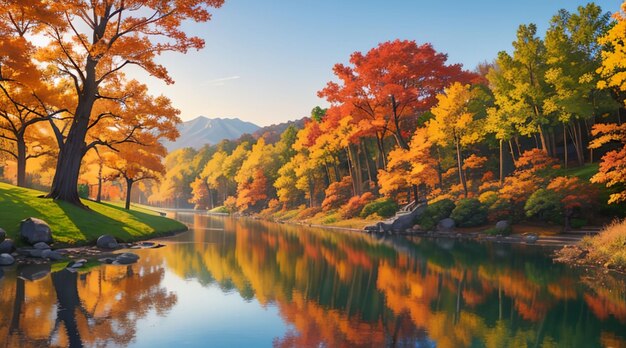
x,y
76,226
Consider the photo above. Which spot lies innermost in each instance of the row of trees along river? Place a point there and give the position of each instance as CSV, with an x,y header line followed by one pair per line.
x,y
403,122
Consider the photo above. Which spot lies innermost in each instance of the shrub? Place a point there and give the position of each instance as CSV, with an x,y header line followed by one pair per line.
x,y
382,207
544,204
434,213
578,223
83,190
469,212
230,203
355,205
306,213
337,194
221,209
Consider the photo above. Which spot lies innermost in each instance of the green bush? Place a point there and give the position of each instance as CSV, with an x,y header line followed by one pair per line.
x,y
383,207
578,223
221,209
544,204
469,212
83,191
434,213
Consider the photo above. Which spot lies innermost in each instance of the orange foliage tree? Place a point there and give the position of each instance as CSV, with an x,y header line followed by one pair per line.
x,y
386,89
612,170
91,42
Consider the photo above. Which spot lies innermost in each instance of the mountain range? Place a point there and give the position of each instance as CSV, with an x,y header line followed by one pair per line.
x,y
203,130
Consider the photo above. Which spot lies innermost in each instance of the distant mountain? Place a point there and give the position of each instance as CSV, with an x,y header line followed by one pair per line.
x,y
203,130
272,133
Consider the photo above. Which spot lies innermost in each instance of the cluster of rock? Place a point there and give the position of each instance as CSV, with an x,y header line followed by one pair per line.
x,y
404,224
37,235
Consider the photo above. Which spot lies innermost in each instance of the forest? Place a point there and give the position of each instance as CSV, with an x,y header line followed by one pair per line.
x,y
535,133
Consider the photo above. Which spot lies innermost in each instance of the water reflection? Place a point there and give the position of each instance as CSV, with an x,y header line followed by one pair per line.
x,y
91,308
347,289
329,288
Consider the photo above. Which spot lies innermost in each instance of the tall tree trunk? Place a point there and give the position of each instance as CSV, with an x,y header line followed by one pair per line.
x,y
565,145
352,175
512,152
129,187
21,161
458,161
71,152
501,162
382,157
542,137
367,164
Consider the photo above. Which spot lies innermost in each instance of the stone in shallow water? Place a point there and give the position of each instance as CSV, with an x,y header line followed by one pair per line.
x,y
6,260
126,258
34,230
34,272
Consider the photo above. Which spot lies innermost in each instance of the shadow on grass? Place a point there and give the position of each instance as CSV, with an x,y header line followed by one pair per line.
x,y
74,225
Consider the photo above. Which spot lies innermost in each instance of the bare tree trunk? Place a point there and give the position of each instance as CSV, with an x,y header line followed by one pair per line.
x,y
512,152
21,161
501,162
458,161
129,187
565,144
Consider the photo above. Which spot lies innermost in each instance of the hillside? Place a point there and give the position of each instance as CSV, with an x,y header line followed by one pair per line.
x,y
203,130
72,225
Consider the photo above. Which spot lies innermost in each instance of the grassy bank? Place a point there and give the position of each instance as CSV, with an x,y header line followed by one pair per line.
x,y
76,226
607,249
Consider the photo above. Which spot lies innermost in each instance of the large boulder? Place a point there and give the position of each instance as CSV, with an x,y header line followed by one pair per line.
x,y
3,235
6,260
405,222
7,246
446,225
33,230
106,241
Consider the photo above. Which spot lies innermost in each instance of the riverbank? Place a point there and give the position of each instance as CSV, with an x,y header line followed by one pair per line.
x,y
606,250
74,226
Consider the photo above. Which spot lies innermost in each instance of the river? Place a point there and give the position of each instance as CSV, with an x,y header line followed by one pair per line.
x,y
247,283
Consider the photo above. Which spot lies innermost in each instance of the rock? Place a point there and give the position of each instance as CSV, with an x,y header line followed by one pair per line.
x,y
107,260
126,258
41,246
34,230
51,254
6,260
107,242
406,221
3,235
503,225
530,238
7,246
446,224
34,272
35,253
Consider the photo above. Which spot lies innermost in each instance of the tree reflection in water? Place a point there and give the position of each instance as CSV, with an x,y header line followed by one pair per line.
x,y
350,289
95,307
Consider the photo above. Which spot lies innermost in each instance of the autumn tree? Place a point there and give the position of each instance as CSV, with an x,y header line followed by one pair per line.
x,y
572,57
28,96
92,43
612,171
386,89
133,163
455,122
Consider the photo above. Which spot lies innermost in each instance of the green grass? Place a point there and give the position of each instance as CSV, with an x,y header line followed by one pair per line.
x,y
72,225
584,172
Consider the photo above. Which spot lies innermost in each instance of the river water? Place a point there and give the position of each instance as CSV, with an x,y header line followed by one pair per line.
x,y
246,283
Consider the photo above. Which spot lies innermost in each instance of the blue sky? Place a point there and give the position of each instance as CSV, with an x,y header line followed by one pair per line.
x,y
264,61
